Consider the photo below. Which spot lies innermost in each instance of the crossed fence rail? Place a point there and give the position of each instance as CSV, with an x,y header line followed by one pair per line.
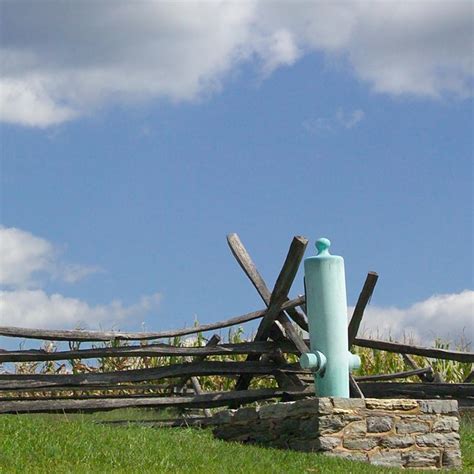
x,y
279,335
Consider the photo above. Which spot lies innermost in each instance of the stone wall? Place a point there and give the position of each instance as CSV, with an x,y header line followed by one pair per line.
x,y
403,433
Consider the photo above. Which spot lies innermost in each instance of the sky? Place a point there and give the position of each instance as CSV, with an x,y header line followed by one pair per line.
x,y
136,135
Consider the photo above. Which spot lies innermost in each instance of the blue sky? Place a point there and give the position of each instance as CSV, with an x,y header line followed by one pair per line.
x,y
116,198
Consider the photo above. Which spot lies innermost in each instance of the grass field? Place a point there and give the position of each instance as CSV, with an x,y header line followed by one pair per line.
x,y
77,444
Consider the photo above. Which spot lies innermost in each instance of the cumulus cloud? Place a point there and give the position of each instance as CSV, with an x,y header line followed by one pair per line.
x,y
21,255
60,60
24,260
37,309
448,316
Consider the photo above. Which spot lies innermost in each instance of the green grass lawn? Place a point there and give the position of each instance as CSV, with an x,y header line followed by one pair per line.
x,y
74,443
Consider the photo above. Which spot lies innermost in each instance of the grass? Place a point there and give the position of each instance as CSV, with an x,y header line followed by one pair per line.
x,y
75,444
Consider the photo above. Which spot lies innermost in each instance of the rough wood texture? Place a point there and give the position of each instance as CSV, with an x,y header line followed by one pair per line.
x,y
246,263
92,336
415,350
282,286
198,391
362,302
424,377
75,391
282,321
395,375
248,266
277,299
44,381
207,400
417,390
86,396
354,390
464,393
151,350
213,341
470,377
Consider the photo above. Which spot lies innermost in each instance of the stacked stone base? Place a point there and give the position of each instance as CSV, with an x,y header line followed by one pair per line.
x,y
402,433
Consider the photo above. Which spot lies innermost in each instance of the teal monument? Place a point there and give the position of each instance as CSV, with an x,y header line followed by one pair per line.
x,y
326,305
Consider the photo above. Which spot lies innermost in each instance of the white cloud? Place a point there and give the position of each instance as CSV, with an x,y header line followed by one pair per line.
x,y
21,255
341,119
24,258
448,316
28,103
60,60
73,272
37,309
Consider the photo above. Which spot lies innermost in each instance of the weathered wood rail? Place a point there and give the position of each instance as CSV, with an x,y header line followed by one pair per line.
x,y
152,350
107,336
45,381
206,400
279,335
431,352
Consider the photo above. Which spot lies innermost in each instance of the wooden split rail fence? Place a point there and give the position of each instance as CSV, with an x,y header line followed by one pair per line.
x,y
279,337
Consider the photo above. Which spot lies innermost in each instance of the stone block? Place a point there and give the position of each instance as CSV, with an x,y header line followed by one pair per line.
x,y
397,441
445,424
313,445
245,415
260,437
422,458
350,417
223,416
329,424
328,443
311,406
231,433
439,406
391,404
351,404
349,455
310,427
379,424
386,457
264,430
293,425
275,410
452,458
440,440
356,429
411,424
363,444
386,433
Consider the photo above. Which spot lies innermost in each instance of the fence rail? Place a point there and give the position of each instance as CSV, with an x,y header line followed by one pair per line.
x,y
206,400
432,352
279,335
152,350
107,336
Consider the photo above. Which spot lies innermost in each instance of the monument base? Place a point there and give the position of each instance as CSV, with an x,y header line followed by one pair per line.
x,y
399,432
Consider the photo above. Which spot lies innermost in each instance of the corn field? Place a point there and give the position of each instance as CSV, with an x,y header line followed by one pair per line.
x,y
373,362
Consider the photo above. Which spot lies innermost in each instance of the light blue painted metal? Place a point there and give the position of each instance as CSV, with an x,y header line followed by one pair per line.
x,y
315,361
326,305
